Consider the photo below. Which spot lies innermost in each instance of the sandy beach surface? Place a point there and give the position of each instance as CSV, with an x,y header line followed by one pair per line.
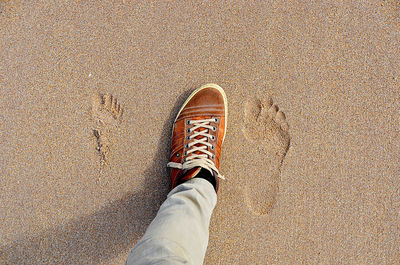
x,y
79,183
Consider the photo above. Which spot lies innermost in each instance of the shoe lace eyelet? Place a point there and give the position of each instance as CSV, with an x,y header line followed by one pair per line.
x,y
188,130
214,128
188,122
216,120
185,154
213,137
212,147
213,156
187,146
188,138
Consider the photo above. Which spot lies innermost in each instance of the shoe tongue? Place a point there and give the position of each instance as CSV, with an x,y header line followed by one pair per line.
x,y
199,137
191,173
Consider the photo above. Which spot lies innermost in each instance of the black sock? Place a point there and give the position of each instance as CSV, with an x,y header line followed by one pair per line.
x,y
205,174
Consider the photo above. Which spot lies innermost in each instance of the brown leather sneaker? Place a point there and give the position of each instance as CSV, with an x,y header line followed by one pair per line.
x,y
198,133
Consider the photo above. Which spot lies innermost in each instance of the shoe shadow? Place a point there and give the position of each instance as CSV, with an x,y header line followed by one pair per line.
x,y
107,233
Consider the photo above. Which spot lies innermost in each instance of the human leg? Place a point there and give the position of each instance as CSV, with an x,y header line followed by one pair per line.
x,y
179,232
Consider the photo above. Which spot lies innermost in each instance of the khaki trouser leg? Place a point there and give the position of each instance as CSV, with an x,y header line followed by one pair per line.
x,y
179,232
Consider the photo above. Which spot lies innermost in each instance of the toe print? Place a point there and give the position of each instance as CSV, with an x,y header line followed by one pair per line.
x,y
107,113
107,98
272,111
266,131
281,120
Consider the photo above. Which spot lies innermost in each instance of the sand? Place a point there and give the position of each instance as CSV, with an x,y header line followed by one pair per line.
x,y
80,181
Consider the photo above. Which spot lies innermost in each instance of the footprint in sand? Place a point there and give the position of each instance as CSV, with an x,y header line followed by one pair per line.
x,y
266,131
107,113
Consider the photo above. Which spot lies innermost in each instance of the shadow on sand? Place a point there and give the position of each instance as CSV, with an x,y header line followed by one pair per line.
x,y
105,234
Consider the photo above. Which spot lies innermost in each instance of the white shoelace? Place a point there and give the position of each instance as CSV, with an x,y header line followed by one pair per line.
x,y
199,160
